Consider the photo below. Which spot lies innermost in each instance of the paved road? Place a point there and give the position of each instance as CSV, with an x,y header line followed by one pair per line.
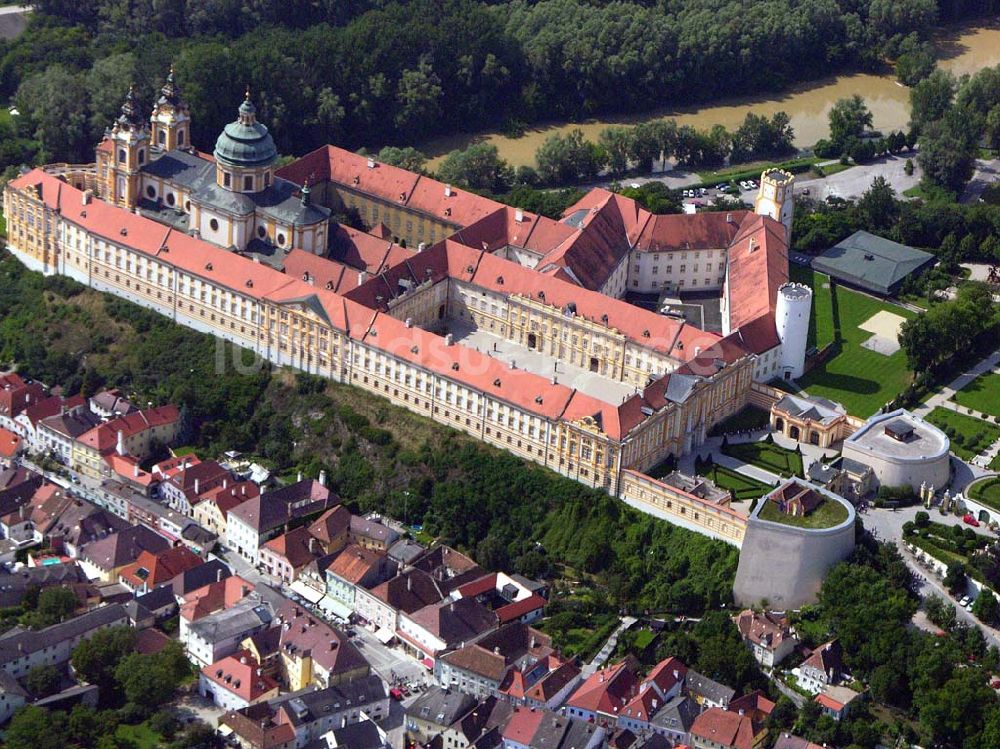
x,y
987,172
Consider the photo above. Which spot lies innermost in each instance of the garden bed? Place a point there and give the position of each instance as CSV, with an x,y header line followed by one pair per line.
x,y
828,514
969,436
767,455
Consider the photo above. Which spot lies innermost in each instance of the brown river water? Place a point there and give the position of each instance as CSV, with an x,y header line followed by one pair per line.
x,y
960,50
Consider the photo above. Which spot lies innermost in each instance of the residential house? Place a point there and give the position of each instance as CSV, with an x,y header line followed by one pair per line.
x,y
10,446
405,552
105,558
503,595
365,734
16,394
408,592
837,701
79,524
199,540
294,720
109,404
152,570
484,668
22,650
708,692
331,529
220,594
211,512
552,690
311,581
721,729
788,741
435,711
444,626
310,651
284,556
522,727
480,727
264,647
602,696
12,696
674,719
251,523
131,435
354,568
236,681
220,633
663,683
768,635
754,704
60,431
198,577
556,731
185,488
448,568
823,667
14,585
157,605
371,534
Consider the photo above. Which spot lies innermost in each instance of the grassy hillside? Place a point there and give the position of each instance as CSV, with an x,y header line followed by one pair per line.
x,y
509,514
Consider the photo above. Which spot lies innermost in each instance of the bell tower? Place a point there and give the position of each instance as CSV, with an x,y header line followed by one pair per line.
x,y
125,151
774,198
170,122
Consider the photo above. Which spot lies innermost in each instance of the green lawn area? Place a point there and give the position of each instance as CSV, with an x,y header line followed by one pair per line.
x,y
862,380
748,417
982,394
768,456
986,491
140,736
574,638
821,329
753,170
969,436
828,514
644,638
743,487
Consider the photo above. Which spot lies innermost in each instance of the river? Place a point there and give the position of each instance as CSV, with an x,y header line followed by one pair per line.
x,y
960,49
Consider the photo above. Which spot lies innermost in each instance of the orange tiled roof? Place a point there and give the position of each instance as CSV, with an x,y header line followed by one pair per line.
x,y
10,443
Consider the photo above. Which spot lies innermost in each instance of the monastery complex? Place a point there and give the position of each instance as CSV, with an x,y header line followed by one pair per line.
x,y
506,325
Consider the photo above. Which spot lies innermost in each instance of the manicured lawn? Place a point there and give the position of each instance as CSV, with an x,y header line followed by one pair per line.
x,y
821,330
742,487
747,418
752,170
987,491
140,736
862,380
982,394
828,514
969,436
768,456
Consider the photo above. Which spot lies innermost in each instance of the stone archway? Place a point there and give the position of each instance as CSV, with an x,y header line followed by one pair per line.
x,y
794,433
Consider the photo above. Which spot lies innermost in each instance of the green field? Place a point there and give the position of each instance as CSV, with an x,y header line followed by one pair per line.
x,y
140,736
768,456
982,394
986,491
742,487
828,514
969,436
862,380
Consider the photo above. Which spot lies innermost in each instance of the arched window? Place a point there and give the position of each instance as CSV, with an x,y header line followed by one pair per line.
x,y
180,137
227,179
248,182
142,155
161,137
122,156
171,199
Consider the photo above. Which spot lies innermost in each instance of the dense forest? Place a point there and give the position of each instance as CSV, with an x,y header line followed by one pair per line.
x,y
373,72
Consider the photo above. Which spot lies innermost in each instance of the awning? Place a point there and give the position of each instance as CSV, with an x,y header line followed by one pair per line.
x,y
385,636
310,594
428,664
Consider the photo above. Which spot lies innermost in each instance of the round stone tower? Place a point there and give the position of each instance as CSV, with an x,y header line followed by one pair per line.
x,y
791,318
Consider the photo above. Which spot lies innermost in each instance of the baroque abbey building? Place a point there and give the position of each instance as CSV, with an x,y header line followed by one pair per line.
x,y
506,325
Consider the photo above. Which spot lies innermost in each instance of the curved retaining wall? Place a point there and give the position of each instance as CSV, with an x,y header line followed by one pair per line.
x,y
786,565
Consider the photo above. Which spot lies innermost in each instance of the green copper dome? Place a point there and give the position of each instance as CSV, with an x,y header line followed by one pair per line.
x,y
246,142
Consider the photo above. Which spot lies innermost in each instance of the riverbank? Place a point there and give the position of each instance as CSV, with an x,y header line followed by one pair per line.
x,y
960,49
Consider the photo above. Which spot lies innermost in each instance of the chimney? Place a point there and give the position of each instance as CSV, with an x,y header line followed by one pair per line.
x,y
218,575
333,645
322,477
371,163
362,277
421,247
244,590
447,191
120,447
299,476
312,545
534,642
225,483
197,486
86,197
409,582
409,322
742,711
518,215
449,340
496,650
135,470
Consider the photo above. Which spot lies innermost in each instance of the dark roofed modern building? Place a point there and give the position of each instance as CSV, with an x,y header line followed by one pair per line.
x,y
872,263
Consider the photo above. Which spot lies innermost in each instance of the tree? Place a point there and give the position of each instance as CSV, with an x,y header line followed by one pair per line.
x,y
947,153
955,578
567,158
931,98
54,605
986,608
43,681
96,659
940,612
408,158
878,210
915,61
54,101
478,167
418,95
148,681
849,118
36,728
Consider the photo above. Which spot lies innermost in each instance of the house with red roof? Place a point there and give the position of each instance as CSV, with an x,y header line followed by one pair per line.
x,y
16,395
284,556
185,488
521,727
152,570
354,568
663,683
10,446
768,636
236,681
602,697
721,729
130,435
837,701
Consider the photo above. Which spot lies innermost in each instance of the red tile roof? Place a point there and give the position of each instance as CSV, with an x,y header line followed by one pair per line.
x,y
758,261
240,674
517,609
213,597
293,547
606,691
354,563
160,568
522,725
10,443
724,728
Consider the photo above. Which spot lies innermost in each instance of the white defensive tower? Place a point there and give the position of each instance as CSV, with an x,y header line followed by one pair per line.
x,y
791,318
775,198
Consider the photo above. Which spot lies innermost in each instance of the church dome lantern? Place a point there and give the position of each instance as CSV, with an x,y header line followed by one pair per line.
x,y
246,143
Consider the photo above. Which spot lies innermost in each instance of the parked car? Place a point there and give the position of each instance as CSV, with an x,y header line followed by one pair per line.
x,y
396,694
963,601
969,520
723,186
